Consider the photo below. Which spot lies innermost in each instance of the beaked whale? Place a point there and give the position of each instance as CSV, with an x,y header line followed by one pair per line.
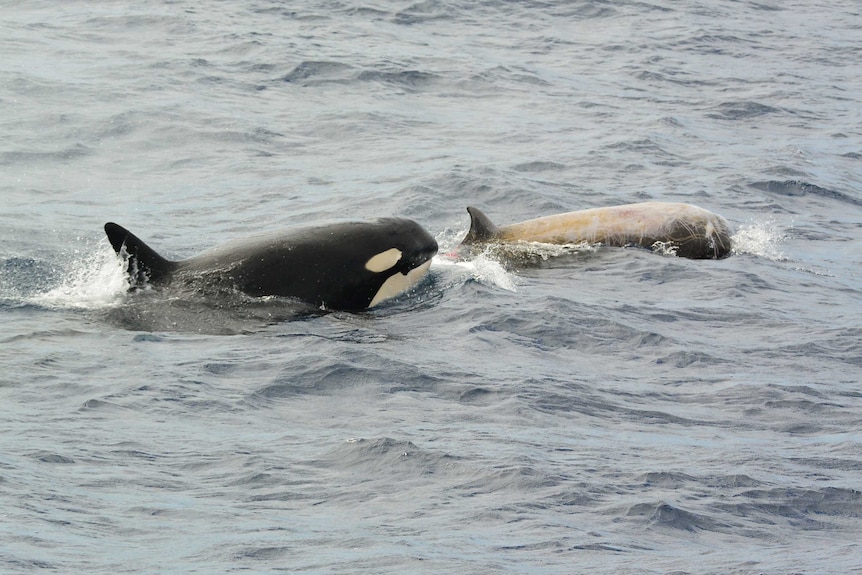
x,y
683,229
345,266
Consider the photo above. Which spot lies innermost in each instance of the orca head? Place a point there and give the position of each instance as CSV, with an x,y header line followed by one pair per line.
x,y
404,259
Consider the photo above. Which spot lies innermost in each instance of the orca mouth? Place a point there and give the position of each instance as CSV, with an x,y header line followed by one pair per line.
x,y
424,260
418,258
399,283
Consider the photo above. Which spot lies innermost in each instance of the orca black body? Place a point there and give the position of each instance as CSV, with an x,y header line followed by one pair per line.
x,y
347,266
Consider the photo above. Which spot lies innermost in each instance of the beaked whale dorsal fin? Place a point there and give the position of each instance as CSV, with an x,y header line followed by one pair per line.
x,y
144,264
482,229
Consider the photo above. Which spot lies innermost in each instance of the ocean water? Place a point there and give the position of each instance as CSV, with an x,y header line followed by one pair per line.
x,y
603,411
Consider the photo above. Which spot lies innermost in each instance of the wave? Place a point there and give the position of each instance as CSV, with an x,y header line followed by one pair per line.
x,y
796,188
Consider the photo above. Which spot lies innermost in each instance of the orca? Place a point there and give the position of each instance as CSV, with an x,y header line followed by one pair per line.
x,y
682,229
345,266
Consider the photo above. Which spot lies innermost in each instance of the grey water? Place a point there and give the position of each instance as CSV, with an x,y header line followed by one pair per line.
x,y
604,411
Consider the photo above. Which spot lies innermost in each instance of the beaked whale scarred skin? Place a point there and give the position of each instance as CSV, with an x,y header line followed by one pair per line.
x,y
684,229
346,266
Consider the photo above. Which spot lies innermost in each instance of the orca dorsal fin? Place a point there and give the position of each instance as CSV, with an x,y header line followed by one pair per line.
x,y
144,264
482,229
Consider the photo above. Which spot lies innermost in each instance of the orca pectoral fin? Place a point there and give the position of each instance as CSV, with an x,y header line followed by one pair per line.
x,y
481,228
144,264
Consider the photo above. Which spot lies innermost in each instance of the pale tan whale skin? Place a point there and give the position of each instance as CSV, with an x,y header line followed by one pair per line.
x,y
683,229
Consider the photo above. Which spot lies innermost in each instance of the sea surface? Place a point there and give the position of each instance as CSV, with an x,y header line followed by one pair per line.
x,y
603,411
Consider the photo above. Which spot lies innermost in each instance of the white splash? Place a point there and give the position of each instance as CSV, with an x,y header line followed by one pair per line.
x,y
483,268
760,238
480,268
93,280
665,248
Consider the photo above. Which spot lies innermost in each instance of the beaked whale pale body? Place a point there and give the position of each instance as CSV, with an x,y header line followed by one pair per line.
x,y
683,229
346,266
